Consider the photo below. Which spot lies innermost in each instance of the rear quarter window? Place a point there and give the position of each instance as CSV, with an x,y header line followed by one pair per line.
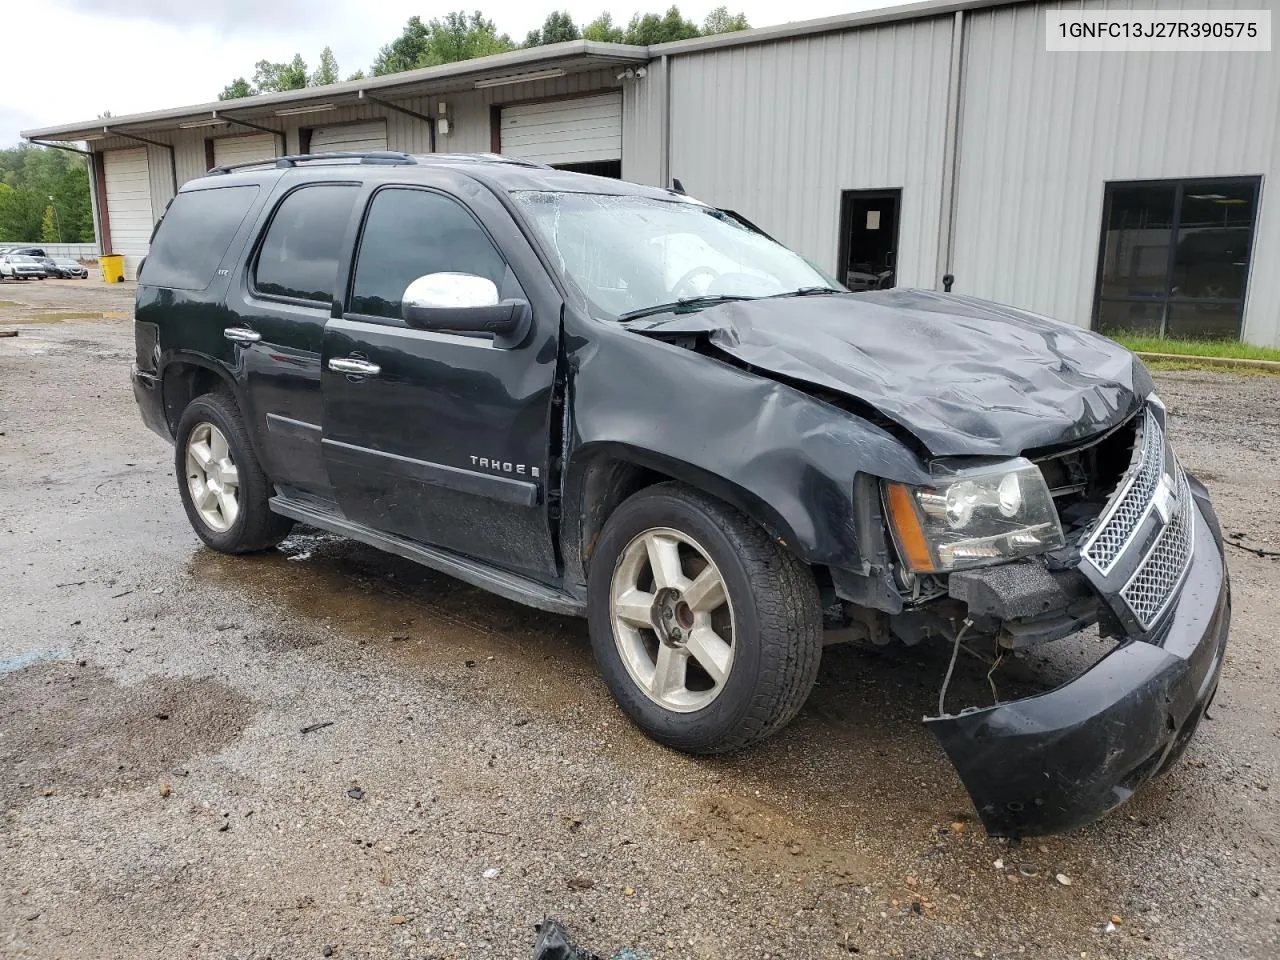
x,y
194,236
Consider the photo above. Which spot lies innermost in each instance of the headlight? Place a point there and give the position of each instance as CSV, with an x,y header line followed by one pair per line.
x,y
973,517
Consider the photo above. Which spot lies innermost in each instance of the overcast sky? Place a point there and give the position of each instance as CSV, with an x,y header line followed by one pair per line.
x,y
69,60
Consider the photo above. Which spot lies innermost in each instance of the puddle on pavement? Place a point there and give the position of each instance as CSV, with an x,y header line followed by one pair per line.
x,y
24,660
61,316
73,729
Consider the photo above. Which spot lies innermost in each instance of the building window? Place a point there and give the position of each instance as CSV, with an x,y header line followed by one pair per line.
x,y
1175,257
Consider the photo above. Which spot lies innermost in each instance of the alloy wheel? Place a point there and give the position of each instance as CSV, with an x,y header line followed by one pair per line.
x,y
212,478
673,622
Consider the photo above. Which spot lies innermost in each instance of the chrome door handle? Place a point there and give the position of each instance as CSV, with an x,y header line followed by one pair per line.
x,y
349,365
242,334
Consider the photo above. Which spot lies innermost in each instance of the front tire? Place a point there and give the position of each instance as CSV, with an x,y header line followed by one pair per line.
x,y
707,632
222,485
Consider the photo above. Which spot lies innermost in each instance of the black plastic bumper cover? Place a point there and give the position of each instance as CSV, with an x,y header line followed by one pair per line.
x,y
146,390
1059,760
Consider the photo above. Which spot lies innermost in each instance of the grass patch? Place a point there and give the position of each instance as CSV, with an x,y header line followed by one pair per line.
x,y
1229,349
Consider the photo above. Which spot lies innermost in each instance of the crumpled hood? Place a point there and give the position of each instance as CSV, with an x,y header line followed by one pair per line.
x,y
964,376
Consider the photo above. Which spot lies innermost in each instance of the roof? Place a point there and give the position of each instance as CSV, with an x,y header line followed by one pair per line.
x,y
572,57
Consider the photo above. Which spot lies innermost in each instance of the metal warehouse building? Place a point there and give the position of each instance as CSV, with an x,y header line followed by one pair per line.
x,y
1114,190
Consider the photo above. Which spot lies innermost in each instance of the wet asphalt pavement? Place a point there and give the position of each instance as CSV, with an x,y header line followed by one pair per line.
x,y
159,796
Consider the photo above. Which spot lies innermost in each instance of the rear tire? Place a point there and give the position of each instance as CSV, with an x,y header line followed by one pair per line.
x,y
222,485
721,648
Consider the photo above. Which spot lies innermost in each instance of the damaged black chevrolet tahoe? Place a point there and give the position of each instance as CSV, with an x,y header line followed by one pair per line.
x,y
609,400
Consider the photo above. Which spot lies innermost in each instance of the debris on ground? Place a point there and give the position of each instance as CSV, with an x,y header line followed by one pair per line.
x,y
313,727
355,793
553,943
492,873
1063,879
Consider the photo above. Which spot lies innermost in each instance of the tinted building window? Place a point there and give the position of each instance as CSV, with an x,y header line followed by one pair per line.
x,y
410,233
1175,257
194,236
299,256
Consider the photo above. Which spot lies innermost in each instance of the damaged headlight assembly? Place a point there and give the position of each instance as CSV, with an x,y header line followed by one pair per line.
x,y
972,517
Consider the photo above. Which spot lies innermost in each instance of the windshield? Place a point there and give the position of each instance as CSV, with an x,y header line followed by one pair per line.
x,y
629,255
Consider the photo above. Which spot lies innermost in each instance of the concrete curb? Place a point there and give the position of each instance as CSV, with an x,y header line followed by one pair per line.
x,y
1227,363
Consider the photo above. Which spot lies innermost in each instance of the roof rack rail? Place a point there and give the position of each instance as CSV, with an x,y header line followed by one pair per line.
x,y
369,156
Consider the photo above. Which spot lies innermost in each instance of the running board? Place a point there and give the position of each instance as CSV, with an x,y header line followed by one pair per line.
x,y
512,586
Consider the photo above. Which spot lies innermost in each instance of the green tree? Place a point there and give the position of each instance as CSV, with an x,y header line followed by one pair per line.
x,y
271,77
448,39
29,176
327,71
720,20
49,226
603,30
237,89
405,52
557,28
651,28
358,75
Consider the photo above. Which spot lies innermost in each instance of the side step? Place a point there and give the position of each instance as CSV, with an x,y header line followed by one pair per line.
x,y
504,584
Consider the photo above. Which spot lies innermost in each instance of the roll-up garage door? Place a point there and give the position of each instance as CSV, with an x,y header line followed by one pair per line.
x,y
564,132
350,137
128,204
232,150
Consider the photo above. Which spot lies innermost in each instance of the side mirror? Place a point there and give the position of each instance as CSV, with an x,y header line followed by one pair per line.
x,y
466,304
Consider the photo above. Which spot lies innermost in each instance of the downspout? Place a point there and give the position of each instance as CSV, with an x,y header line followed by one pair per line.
x,y
99,221
664,162
431,124
284,146
951,155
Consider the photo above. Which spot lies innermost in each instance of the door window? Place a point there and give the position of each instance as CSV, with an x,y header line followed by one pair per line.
x,y
411,233
299,255
1175,257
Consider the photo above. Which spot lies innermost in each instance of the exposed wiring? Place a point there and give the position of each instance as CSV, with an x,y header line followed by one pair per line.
x,y
995,694
1256,551
955,653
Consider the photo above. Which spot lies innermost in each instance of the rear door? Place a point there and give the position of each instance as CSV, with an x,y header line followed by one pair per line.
x,y
446,440
275,318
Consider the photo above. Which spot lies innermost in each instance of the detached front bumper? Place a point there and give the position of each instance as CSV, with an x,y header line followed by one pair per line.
x,y
1059,760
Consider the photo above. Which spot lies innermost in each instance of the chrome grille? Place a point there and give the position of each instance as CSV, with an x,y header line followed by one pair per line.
x,y
1127,508
1152,585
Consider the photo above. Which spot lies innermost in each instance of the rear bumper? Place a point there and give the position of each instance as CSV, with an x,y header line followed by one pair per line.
x,y
147,392
1059,760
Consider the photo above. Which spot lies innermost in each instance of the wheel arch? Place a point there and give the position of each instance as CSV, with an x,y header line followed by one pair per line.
x,y
185,377
602,475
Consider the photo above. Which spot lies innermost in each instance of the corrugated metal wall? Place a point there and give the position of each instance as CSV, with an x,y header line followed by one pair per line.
x,y
777,130
1041,133
643,103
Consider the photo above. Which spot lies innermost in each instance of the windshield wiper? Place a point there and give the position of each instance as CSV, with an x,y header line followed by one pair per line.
x,y
683,305
809,292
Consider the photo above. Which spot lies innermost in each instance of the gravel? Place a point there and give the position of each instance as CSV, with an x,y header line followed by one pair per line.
x,y
496,782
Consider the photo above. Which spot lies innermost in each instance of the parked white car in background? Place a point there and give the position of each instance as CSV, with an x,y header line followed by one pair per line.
x,y
19,267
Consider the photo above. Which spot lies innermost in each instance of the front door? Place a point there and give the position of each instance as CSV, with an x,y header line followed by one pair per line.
x,y
444,439
869,238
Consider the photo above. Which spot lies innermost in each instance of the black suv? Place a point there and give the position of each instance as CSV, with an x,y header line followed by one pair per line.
x,y
611,400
